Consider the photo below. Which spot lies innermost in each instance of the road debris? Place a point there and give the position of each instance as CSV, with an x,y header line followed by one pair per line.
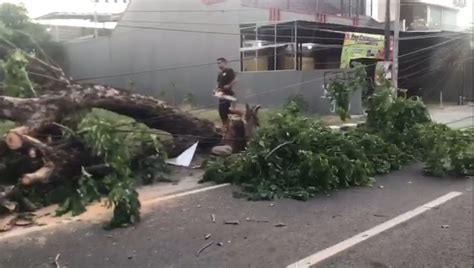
x,y
381,187
7,222
204,248
271,204
280,224
380,216
213,218
446,226
207,236
56,260
410,182
220,244
232,222
23,222
256,220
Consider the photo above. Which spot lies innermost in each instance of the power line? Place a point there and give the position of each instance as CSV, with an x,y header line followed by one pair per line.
x,y
226,33
450,52
273,35
168,68
290,86
280,88
430,47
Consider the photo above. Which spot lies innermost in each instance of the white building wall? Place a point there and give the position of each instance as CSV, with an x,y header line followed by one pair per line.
x,y
378,9
441,3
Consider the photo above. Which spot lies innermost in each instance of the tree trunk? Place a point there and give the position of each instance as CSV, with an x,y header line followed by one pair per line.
x,y
37,114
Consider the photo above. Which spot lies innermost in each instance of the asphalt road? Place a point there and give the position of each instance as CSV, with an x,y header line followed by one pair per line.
x,y
422,242
175,230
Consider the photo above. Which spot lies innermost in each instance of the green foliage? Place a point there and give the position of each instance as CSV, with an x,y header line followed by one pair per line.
x,y
294,157
339,95
446,150
86,193
106,143
17,82
5,126
117,147
396,119
383,156
298,100
406,123
13,16
148,168
16,28
190,99
340,91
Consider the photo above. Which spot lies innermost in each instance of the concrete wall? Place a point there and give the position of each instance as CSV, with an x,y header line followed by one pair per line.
x,y
151,48
272,89
167,52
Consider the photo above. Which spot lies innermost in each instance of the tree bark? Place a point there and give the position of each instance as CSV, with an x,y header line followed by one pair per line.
x,y
36,114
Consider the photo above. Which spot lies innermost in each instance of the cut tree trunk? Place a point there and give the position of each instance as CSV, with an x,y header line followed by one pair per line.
x,y
36,114
37,153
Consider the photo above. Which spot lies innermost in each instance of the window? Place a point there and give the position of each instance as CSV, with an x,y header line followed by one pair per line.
x,y
368,7
268,47
459,3
415,16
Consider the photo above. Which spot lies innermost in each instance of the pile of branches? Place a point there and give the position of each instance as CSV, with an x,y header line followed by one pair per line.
x,y
297,157
58,152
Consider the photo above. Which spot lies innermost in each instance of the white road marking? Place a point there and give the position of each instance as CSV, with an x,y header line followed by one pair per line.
x,y
63,222
333,250
172,196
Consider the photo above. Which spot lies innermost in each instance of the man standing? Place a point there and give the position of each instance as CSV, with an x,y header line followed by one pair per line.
x,y
225,81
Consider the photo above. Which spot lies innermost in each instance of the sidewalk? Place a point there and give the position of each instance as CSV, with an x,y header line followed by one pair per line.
x,y
455,116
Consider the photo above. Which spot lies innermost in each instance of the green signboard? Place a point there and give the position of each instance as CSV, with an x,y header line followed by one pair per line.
x,y
361,45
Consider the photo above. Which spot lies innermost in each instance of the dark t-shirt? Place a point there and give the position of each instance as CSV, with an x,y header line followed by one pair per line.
x,y
225,78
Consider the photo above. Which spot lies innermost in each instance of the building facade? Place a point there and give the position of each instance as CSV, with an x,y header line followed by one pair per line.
x,y
82,19
168,48
431,14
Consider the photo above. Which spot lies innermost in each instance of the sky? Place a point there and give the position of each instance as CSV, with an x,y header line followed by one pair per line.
x,y
38,8
41,7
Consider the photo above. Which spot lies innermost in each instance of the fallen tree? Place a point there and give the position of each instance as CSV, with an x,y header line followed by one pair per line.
x,y
54,148
41,114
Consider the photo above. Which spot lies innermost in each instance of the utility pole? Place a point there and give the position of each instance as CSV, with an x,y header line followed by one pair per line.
x,y
96,33
396,45
387,31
